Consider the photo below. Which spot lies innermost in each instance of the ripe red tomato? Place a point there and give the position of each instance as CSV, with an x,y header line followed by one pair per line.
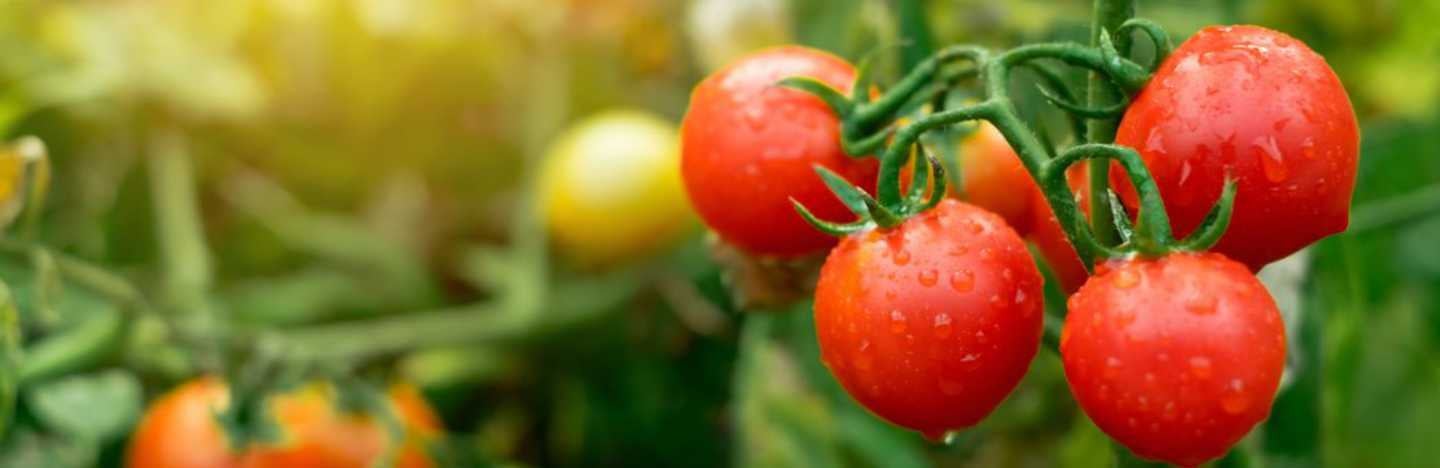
x,y
932,323
1176,358
1050,239
179,431
992,177
748,146
1263,107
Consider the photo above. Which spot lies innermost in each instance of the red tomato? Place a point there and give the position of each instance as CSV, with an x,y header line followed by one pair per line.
x,y
1050,239
992,177
748,146
1175,358
1263,107
179,431
932,323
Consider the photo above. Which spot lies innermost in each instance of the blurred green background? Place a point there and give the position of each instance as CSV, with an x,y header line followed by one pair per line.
x,y
369,161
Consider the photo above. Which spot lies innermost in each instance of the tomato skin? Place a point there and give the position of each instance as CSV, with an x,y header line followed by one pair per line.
x,y
1176,358
179,431
748,146
932,323
992,177
1050,238
1264,107
610,188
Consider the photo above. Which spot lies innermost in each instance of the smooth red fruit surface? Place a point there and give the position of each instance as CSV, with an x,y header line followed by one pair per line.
x,y
1050,239
179,431
1263,107
1176,358
993,178
932,323
748,146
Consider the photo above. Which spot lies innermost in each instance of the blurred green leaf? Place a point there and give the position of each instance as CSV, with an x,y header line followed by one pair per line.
x,y
98,406
29,448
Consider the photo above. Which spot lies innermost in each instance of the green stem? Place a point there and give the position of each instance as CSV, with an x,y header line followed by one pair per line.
x,y
492,322
187,269
1109,15
915,32
79,348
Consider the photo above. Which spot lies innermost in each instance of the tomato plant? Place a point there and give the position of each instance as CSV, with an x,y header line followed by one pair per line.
x,y
749,146
611,190
931,323
181,430
1178,357
1261,107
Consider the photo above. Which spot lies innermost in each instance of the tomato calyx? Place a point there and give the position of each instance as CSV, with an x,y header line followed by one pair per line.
x,y
928,172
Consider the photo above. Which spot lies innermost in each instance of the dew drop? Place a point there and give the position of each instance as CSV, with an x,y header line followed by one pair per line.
x,y
942,326
969,357
1307,148
973,227
1272,161
1150,377
1020,296
1234,403
1112,367
902,257
929,277
1155,142
1201,305
1008,274
980,336
959,251
1200,366
897,321
962,281
1126,279
987,253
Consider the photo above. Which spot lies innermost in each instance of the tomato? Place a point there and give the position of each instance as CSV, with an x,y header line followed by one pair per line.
x,y
992,177
179,431
1263,107
750,146
930,324
610,188
1050,239
1175,358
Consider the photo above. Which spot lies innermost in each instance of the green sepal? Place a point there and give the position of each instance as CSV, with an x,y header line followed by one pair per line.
x,y
942,184
866,146
1215,222
919,177
834,229
830,96
853,197
1158,37
1107,112
882,216
864,77
1120,217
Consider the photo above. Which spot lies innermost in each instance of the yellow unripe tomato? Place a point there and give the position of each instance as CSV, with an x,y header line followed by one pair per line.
x,y
610,188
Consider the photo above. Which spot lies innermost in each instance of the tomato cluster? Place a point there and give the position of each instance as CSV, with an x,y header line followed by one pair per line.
x,y
181,430
931,320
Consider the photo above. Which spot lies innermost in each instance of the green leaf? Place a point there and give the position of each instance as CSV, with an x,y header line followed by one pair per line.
x,y
9,358
96,406
29,448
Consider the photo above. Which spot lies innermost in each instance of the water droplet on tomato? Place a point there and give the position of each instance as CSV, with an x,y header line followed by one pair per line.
x,y
902,257
1200,367
1020,296
1155,142
897,321
987,254
1201,305
962,281
980,336
942,326
1307,148
1126,279
929,277
1112,367
1272,161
